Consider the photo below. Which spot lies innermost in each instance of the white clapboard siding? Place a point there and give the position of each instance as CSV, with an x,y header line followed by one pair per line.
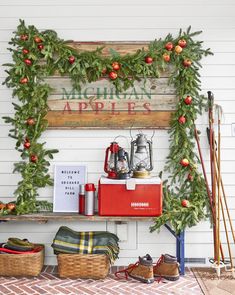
x,y
124,20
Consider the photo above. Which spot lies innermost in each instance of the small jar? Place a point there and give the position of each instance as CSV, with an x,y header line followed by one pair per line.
x,y
89,199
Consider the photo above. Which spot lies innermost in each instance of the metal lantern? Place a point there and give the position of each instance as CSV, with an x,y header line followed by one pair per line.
x,y
122,164
110,159
141,156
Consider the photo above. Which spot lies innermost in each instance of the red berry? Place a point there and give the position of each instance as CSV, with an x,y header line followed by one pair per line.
x,y
166,57
104,71
71,59
188,100
182,120
148,59
182,43
30,121
34,158
185,203
116,66
24,80
178,49
187,63
169,46
113,75
28,62
25,51
24,37
27,145
184,162
190,177
37,39
40,46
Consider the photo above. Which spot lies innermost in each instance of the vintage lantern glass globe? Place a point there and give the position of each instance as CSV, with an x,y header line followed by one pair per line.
x,y
122,164
141,156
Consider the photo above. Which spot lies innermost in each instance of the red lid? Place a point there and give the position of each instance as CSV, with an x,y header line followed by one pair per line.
x,y
90,187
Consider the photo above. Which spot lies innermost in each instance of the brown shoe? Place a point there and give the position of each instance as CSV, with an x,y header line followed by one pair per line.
x,y
142,270
167,267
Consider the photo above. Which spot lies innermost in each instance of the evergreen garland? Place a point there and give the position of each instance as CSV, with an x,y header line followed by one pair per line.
x,y
37,55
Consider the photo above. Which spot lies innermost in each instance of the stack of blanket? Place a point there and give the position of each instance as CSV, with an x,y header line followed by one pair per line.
x,y
94,242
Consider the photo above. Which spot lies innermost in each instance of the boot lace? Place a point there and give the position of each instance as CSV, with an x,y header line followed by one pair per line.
x,y
126,271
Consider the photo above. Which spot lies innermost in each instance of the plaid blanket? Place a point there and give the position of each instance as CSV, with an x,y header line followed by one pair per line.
x,y
95,242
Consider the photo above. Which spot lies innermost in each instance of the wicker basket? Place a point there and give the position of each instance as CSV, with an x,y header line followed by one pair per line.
x,y
84,266
22,264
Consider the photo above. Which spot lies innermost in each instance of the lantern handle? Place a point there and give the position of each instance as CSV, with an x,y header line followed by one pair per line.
x,y
122,136
151,139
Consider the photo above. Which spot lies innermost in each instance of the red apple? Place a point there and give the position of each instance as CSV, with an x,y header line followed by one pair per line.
x,y
104,71
71,59
148,59
11,206
185,203
25,51
24,80
182,43
116,66
30,121
27,145
40,46
28,62
184,162
24,37
187,63
166,57
169,46
178,49
37,39
113,75
182,120
190,177
34,158
188,100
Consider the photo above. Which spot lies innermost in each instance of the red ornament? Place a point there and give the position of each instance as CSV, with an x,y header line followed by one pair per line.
x,y
190,177
148,60
184,162
188,100
182,43
187,63
169,46
24,80
24,37
116,66
25,51
166,57
27,144
182,120
34,158
113,75
71,59
40,46
30,121
185,203
178,49
37,39
28,62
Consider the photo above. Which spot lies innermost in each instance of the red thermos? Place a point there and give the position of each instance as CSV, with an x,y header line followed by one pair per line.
x,y
82,199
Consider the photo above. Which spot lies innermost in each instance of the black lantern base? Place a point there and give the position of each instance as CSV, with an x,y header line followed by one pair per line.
x,y
124,176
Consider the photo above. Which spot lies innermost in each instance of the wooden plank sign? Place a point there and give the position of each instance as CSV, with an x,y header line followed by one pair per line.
x,y
147,104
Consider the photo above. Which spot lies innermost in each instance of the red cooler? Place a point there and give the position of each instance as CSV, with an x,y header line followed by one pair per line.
x,y
130,197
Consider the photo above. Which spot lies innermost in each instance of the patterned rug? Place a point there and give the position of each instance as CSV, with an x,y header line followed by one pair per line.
x,y
211,284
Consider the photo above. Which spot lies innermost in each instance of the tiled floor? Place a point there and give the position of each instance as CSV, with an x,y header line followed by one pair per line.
x,y
49,283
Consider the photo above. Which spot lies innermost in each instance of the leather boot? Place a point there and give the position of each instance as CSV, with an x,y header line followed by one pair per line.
x,y
167,267
142,270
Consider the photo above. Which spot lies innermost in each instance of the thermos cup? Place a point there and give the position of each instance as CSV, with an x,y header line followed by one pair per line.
x,y
89,199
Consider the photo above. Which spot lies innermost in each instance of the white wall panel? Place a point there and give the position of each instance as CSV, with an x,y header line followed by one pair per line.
x,y
104,20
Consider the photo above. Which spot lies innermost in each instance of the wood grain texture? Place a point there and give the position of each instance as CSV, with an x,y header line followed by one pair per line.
x,y
105,120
